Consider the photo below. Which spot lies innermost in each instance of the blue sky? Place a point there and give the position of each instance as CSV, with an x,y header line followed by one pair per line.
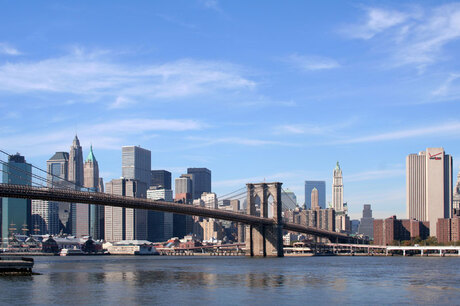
x,y
252,90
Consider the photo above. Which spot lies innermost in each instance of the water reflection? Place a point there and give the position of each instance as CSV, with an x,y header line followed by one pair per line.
x,y
137,280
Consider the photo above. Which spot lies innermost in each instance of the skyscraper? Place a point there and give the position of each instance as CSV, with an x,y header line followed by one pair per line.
x,y
366,226
161,178
16,213
50,217
201,181
337,189
321,187
76,163
183,188
125,223
136,164
429,186
456,195
314,199
89,220
289,199
160,223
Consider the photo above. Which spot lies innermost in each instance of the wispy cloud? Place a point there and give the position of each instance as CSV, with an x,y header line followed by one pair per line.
x,y
109,135
375,175
96,76
212,5
431,130
445,90
8,49
242,181
311,62
239,141
377,21
415,37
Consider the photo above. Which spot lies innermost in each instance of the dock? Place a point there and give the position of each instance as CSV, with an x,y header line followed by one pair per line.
x,y
10,265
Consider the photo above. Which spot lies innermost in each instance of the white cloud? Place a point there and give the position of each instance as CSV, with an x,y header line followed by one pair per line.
x,y
415,37
121,102
109,135
375,175
212,5
435,129
96,76
311,62
8,49
377,20
446,87
238,141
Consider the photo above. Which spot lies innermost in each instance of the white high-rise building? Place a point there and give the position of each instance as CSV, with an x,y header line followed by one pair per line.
x,y
337,189
210,200
429,186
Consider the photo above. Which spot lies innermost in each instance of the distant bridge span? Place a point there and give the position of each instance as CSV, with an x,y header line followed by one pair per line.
x,y
65,195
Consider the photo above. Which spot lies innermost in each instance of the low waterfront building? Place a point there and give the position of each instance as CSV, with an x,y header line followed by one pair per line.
x,y
448,229
386,231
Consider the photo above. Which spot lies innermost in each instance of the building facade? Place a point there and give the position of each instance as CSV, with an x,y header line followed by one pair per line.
x,y
125,223
366,225
161,178
387,231
456,195
201,181
16,213
160,224
429,186
321,187
289,199
337,189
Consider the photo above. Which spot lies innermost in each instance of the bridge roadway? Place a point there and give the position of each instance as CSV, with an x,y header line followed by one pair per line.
x,y
66,195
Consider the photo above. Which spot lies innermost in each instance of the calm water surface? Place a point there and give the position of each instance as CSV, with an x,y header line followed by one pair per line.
x,y
236,280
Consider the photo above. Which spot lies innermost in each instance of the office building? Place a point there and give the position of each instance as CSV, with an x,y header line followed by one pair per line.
x,y
90,217
210,200
337,189
57,167
136,164
289,199
201,181
366,226
235,204
125,223
45,217
160,224
456,195
161,178
321,187
16,213
314,199
183,188
429,186
387,231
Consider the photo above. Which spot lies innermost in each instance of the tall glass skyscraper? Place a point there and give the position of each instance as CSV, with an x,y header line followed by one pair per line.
x,y
16,213
321,187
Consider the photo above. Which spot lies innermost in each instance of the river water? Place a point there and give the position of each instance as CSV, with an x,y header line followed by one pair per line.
x,y
134,280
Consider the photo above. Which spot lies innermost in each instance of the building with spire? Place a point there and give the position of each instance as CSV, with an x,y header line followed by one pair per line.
x,y
456,195
76,163
90,218
337,189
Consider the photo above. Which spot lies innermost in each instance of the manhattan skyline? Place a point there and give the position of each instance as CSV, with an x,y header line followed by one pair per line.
x,y
281,93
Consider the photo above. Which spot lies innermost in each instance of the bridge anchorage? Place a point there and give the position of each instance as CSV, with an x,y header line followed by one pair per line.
x,y
265,240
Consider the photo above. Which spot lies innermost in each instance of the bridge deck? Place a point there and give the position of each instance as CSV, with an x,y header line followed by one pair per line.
x,y
66,195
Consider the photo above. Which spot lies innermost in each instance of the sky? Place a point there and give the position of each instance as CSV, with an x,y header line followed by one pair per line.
x,y
253,90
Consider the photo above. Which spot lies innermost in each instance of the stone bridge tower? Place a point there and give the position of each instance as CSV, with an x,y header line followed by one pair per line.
x,y
265,240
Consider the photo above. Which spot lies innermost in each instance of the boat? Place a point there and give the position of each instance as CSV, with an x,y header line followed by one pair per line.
x,y
71,252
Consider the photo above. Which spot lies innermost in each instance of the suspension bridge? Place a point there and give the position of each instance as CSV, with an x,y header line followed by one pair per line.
x,y
262,217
